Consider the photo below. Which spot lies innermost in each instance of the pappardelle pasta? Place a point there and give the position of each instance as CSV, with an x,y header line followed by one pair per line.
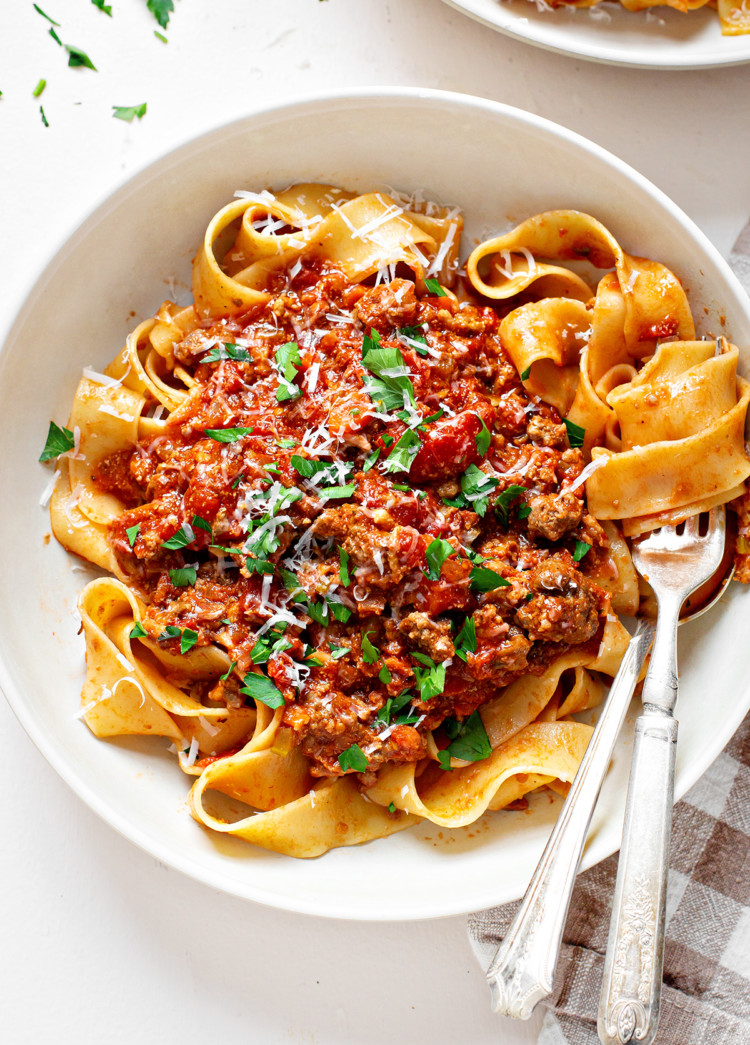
x,y
364,517
734,15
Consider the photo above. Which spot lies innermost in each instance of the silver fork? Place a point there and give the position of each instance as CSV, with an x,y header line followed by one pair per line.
x,y
674,563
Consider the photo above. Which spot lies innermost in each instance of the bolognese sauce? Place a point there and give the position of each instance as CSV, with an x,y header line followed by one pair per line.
x,y
360,502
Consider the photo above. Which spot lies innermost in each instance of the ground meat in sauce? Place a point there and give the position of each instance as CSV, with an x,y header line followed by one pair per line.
x,y
332,596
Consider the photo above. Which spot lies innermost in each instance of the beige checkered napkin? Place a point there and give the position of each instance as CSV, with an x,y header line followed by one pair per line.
x,y
706,995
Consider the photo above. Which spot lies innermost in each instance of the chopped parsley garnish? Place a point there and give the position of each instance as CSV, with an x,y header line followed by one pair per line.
x,y
201,524
272,642
403,453
506,499
187,636
287,444
344,568
526,374
138,631
238,480
228,672
387,441
435,288
184,536
391,387
132,533
161,10
483,439
337,652
59,441
55,37
414,338
321,472
45,121
353,758
392,707
576,434
338,492
260,687
370,653
483,579
227,351
476,487
160,36
582,549
370,460
466,640
39,88
468,740
288,362
78,58
430,678
106,8
183,577
436,554
38,9
384,675
524,511
129,112
339,611
391,807
227,435
258,565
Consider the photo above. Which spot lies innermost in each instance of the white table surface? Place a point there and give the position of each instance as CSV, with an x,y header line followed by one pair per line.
x,y
101,943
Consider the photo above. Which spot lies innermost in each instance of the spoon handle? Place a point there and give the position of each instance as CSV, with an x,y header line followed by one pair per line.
x,y
522,971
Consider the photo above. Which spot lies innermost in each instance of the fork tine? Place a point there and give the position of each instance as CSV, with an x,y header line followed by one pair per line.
x,y
692,525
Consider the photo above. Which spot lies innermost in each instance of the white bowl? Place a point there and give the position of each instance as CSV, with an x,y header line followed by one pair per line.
x,y
499,165
659,38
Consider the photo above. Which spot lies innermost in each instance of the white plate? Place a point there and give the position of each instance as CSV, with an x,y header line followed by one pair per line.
x,y
662,39
499,165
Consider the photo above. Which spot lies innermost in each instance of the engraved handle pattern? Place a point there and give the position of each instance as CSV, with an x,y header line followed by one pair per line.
x,y
631,987
522,971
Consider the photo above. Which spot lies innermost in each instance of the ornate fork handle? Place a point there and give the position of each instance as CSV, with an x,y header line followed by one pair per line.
x,y
522,971
631,984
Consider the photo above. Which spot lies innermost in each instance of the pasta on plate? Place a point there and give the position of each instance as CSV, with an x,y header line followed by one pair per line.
x,y
734,15
362,518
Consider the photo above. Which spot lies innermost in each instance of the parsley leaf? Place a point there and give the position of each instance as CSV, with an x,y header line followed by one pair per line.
x,y
476,487
414,338
106,8
506,499
260,687
337,652
437,552
183,577
435,288
353,758
466,640
129,112
201,524
45,121
287,444
132,533
227,351
227,435
188,639
331,492
384,675
340,612
138,631
483,579
370,653
370,460
59,441
288,362
258,565
582,549
524,511
469,740
391,388
78,58
184,536
430,678
39,89
344,568
403,453
483,439
38,9
576,434
228,672
526,374
161,10
272,642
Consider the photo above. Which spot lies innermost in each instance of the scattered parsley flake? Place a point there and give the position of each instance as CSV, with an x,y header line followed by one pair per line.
x,y
38,9
391,807
138,631
384,675
476,486
340,612
339,492
576,434
132,533
253,565
228,672
106,8
414,338
78,58
337,652
184,536
483,579
260,687
436,554
227,435
344,568
506,499
582,549
469,740
353,758
430,678
526,374
466,640
129,112
160,36
188,639
161,10
59,440
403,453
370,460
183,577
288,362
287,444
370,653
45,121
227,351
55,37
201,524
39,88
435,288
483,439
